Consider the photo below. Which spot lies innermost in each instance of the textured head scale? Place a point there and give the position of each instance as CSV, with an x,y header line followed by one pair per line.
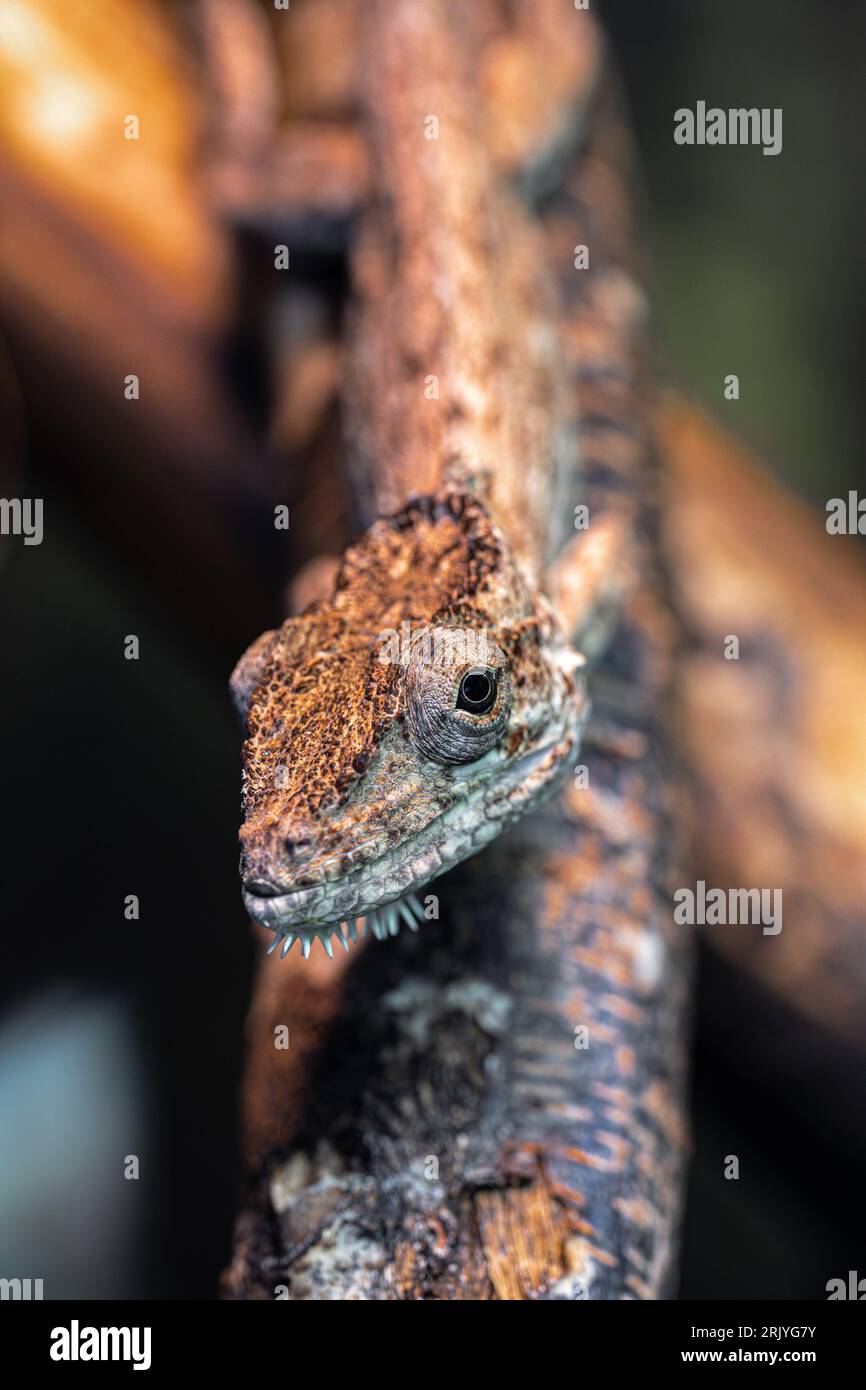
x,y
393,728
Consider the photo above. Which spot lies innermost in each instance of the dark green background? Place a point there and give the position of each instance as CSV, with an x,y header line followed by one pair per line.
x,y
759,258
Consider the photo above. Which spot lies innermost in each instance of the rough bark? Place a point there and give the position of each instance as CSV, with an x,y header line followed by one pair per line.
x,y
494,1108
439,1126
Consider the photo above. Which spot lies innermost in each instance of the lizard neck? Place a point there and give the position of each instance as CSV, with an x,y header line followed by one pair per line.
x,y
454,376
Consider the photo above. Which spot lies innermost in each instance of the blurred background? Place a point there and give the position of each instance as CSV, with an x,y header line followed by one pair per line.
x,y
121,257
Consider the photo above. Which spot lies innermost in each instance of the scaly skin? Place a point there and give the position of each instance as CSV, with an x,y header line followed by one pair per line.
x,y
363,777
353,793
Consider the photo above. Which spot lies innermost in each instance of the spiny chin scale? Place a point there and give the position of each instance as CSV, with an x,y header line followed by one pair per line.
x,y
383,922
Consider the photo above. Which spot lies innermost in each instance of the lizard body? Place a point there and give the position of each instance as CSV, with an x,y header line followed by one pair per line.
x,y
369,771
556,1179
455,359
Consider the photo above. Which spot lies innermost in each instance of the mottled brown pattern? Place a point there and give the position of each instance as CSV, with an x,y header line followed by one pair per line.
x,y
453,296
456,385
558,1170
321,695
533,75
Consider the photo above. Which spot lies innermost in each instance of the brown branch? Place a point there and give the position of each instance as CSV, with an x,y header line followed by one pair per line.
x,y
434,1131
774,740
494,1108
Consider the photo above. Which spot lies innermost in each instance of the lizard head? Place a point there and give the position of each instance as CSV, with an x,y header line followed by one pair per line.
x,y
395,727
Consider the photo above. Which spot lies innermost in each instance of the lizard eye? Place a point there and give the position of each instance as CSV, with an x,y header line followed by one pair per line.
x,y
477,693
457,712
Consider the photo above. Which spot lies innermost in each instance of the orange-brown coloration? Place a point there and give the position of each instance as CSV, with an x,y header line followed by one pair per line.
x,y
353,731
552,928
327,690
473,396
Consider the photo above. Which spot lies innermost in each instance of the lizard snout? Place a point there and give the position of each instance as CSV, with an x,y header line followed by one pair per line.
x,y
273,854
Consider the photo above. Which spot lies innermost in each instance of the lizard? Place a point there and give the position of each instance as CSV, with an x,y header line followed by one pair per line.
x,y
435,695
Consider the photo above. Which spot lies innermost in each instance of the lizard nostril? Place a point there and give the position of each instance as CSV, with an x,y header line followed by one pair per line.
x,y
295,846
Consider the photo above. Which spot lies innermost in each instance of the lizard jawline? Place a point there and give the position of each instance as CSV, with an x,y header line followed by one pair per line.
x,y
383,922
321,908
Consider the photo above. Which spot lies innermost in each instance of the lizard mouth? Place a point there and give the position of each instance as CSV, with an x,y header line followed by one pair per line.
x,y
383,921
382,891
326,908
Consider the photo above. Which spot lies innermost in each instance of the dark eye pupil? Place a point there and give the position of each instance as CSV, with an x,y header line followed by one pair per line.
x,y
477,692
476,689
